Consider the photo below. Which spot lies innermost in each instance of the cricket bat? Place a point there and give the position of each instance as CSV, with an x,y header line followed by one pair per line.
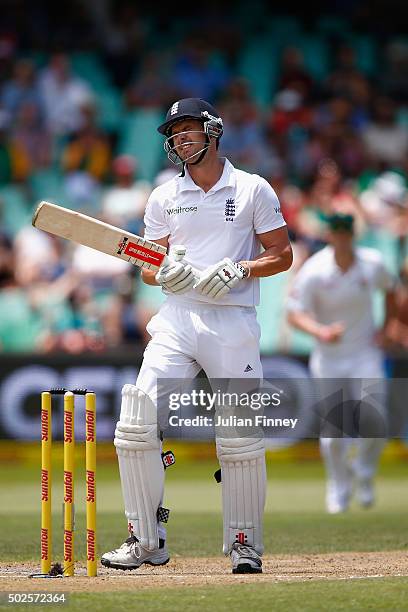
x,y
102,236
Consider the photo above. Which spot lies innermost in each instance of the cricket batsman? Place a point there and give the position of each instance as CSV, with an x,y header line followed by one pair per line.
x,y
234,233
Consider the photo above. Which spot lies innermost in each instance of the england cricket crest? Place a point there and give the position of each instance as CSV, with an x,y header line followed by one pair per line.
x,y
229,209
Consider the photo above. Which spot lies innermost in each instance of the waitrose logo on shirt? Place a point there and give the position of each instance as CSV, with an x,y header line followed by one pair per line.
x,y
179,210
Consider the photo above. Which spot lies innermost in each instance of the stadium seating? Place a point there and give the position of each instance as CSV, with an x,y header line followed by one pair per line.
x,y
258,64
89,66
47,185
15,208
139,137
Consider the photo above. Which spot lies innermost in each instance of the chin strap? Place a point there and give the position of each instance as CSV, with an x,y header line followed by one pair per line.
x,y
200,159
202,154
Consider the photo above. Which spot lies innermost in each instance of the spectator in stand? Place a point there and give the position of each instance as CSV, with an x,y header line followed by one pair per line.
x,y
86,161
385,200
396,335
243,141
8,50
21,89
339,81
333,119
293,74
123,37
14,163
287,128
39,256
194,73
150,87
31,137
292,200
96,269
123,321
327,193
360,94
6,257
123,203
238,93
64,95
385,140
70,313
289,110
394,80
19,324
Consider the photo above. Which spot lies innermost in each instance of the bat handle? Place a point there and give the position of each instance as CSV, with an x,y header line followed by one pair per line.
x,y
177,252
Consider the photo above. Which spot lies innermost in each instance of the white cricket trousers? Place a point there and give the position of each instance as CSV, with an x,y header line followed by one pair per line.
x,y
187,336
364,365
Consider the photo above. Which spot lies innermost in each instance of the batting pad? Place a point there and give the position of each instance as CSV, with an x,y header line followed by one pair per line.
x,y
140,464
243,469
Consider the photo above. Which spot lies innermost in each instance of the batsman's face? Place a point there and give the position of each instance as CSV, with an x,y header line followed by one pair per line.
x,y
188,138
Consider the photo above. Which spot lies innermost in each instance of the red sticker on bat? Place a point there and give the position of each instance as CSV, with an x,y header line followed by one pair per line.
x,y
143,253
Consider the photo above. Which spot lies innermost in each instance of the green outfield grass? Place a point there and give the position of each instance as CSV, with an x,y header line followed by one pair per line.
x,y
295,522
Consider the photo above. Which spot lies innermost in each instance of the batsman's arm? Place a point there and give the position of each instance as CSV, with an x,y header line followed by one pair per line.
x,y
148,276
277,256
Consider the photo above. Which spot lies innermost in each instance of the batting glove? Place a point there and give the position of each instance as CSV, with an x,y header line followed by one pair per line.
x,y
217,280
176,276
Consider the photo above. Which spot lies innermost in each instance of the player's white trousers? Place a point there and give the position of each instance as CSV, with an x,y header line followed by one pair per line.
x,y
187,336
357,373
223,341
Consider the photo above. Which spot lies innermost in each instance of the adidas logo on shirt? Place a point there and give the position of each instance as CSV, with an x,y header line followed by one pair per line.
x,y
248,368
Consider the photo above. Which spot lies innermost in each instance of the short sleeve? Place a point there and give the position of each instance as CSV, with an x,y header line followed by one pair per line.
x,y
154,220
383,279
302,292
267,211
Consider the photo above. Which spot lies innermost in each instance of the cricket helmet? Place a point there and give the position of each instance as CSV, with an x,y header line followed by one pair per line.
x,y
193,108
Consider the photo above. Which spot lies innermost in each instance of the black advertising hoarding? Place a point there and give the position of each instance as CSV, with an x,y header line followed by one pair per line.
x,y
23,377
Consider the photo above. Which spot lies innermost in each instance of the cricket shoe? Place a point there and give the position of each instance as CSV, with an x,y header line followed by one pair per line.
x,y
245,560
365,492
336,502
132,555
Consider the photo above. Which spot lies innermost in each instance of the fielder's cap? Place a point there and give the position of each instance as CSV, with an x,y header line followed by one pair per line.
x,y
340,222
184,109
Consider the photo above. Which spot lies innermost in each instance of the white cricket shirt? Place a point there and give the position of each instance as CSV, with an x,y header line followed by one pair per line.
x,y
224,222
330,295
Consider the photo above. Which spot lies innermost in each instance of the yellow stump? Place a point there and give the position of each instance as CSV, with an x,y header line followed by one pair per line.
x,y
69,509
90,452
46,446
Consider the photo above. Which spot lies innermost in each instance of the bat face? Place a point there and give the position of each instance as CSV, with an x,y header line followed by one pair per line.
x,y
98,235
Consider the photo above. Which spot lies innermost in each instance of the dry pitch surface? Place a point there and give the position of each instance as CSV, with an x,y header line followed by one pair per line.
x,y
184,571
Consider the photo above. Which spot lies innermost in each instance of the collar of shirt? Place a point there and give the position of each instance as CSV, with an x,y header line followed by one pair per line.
x,y
227,179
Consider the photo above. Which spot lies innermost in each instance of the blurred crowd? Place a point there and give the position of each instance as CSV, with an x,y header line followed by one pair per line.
x,y
339,142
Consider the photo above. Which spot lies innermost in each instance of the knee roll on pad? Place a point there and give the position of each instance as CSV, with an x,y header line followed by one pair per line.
x,y
140,465
242,462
